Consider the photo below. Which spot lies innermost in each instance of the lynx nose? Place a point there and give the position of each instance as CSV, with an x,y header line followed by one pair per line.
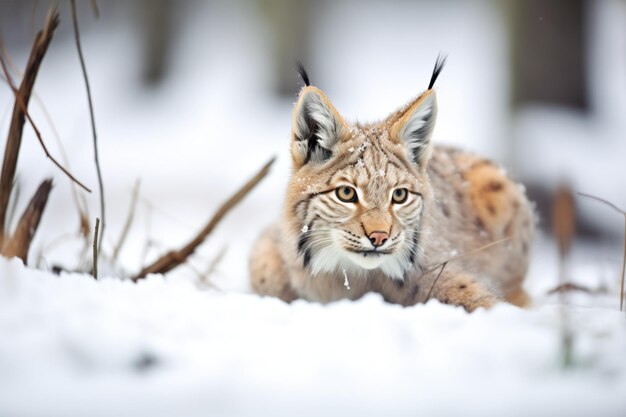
x,y
378,238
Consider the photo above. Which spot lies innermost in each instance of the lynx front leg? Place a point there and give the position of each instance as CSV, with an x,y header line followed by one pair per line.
x,y
268,275
463,290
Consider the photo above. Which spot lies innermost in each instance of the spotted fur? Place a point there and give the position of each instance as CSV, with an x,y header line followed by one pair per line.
x,y
457,202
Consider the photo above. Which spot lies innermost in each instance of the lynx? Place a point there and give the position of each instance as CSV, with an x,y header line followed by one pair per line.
x,y
377,208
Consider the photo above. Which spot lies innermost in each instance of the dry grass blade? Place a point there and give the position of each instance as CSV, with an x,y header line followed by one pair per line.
x,y
432,287
465,255
19,243
204,279
623,213
445,263
92,118
128,223
563,229
84,227
602,200
95,249
563,219
14,138
173,259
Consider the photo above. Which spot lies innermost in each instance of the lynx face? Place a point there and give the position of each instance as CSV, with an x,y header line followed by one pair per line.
x,y
357,194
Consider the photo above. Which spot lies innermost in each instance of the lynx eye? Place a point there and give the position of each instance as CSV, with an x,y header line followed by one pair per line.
x,y
346,194
399,195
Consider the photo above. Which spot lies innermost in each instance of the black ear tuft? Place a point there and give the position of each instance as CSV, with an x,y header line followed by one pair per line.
x,y
303,73
439,64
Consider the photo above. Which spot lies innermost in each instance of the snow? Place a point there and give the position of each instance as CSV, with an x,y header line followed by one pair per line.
x,y
73,346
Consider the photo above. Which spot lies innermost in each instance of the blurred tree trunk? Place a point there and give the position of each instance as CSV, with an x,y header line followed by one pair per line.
x,y
156,24
549,67
548,52
290,23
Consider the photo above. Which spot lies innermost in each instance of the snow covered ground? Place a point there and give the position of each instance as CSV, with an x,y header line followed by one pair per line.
x,y
70,346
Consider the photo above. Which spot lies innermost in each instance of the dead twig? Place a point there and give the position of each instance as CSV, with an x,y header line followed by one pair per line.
x,y
91,115
82,210
623,213
19,99
95,249
14,138
173,259
20,102
20,241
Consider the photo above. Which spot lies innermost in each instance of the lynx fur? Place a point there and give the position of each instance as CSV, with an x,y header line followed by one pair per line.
x,y
377,205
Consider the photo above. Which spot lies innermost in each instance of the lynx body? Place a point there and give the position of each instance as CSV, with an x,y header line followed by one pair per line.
x,y
379,208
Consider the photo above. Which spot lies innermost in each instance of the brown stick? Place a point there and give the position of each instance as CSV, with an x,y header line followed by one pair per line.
x,y
14,138
23,107
92,118
19,243
173,259
55,133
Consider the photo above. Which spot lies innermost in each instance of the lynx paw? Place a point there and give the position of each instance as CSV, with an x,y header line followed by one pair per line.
x,y
462,290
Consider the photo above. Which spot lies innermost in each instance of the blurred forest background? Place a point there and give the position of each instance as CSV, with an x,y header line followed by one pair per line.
x,y
191,97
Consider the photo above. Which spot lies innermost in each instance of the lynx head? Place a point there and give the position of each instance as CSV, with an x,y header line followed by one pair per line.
x,y
357,194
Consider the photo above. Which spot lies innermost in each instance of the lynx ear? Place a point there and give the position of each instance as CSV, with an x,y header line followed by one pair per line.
x,y
317,128
415,126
